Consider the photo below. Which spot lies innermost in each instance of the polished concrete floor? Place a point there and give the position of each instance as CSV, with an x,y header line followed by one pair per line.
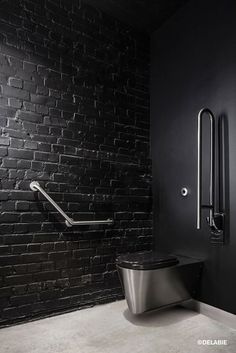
x,y
111,328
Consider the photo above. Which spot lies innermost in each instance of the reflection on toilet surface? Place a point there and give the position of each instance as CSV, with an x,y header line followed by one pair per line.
x,y
153,288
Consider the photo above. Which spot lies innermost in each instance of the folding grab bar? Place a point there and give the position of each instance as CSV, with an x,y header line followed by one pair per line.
x,y
35,186
215,220
210,206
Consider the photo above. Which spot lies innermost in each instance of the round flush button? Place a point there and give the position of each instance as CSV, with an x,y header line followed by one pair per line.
x,y
184,191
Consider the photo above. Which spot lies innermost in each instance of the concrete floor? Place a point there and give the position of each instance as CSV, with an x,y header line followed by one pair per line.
x,y
111,328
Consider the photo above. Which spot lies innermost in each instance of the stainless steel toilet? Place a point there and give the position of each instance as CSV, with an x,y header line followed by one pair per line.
x,y
152,280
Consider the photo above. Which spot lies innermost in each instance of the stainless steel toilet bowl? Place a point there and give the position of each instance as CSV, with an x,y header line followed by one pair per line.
x,y
146,290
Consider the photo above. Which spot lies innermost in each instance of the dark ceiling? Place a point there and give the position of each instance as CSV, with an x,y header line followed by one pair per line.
x,y
144,15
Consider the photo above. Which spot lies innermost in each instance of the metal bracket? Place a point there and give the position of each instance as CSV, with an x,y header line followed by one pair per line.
x,y
217,228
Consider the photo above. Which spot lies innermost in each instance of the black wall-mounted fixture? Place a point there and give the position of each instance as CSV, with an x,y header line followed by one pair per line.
x,y
216,220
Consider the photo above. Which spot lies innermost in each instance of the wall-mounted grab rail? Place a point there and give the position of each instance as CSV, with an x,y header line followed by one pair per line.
x,y
35,186
215,220
210,206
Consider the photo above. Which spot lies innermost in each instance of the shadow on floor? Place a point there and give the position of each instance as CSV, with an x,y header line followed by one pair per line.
x,y
161,317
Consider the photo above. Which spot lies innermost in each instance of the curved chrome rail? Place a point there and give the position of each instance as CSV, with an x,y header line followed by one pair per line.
x,y
215,220
35,186
199,167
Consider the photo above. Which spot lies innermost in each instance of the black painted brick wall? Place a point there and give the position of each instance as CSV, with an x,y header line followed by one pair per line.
x,y
74,114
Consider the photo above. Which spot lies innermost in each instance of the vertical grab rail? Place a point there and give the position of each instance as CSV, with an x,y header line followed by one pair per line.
x,y
210,206
215,220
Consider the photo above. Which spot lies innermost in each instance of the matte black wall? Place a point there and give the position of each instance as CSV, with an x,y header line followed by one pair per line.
x,y
74,113
193,65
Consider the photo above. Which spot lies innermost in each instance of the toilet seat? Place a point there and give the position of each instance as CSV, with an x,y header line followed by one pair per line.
x,y
148,260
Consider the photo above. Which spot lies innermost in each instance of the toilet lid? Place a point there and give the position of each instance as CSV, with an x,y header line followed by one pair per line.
x,y
148,260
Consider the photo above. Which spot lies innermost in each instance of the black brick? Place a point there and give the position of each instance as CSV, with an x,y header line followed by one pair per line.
x,y
29,116
20,154
45,276
5,141
22,195
7,217
74,117
14,82
17,239
15,92
9,163
4,250
3,151
24,299
18,279
49,157
22,206
5,291
36,257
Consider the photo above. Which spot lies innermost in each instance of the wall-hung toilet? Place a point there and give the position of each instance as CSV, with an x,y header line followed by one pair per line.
x,y
151,280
